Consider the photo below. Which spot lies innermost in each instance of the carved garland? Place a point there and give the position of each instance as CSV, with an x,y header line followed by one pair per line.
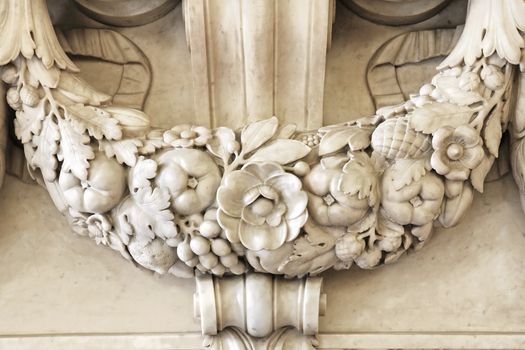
x,y
266,198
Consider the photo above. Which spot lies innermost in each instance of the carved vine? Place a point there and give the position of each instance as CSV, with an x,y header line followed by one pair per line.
x,y
269,198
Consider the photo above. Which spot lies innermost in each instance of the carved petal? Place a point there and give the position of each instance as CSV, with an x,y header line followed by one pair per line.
x,y
263,236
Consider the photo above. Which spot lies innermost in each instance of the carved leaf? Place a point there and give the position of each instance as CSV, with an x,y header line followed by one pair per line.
x,y
282,151
257,133
147,213
75,150
492,133
218,145
359,177
285,131
79,91
433,116
454,208
448,87
356,138
125,151
478,174
46,76
96,121
141,174
408,171
312,252
29,122
47,148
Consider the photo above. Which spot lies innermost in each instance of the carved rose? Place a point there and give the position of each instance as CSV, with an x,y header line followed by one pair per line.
x,y
191,177
327,204
187,136
261,206
102,190
418,203
456,151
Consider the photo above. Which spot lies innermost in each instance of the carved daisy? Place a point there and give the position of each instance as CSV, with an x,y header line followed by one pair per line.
x,y
187,136
456,151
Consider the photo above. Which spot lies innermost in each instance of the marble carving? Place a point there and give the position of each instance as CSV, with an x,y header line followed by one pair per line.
x,y
267,198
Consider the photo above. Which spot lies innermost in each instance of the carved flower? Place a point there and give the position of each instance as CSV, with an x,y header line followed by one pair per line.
x,y
417,203
99,228
191,177
456,151
261,206
187,136
327,203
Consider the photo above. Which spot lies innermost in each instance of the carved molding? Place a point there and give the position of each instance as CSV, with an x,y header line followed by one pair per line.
x,y
259,311
126,13
274,64
396,12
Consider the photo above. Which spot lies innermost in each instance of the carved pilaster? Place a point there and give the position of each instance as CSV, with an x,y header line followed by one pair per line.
x,y
258,311
252,60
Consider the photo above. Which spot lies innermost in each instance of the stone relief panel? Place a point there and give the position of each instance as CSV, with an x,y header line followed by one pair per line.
x,y
196,200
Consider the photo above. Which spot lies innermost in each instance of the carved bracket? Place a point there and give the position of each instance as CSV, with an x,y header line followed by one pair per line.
x,y
258,311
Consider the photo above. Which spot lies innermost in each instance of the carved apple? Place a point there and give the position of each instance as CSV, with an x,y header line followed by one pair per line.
x,y
100,192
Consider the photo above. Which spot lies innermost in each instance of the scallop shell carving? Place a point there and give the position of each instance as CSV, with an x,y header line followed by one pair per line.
x,y
395,139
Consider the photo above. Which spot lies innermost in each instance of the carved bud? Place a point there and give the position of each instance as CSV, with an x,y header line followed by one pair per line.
x,y
29,96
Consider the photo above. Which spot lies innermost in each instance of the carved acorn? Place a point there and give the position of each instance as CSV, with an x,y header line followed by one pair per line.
x,y
29,96
395,139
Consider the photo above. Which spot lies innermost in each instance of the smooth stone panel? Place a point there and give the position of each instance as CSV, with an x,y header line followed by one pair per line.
x,y
53,281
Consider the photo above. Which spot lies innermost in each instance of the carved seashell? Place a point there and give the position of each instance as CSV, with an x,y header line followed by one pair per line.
x,y
29,96
394,138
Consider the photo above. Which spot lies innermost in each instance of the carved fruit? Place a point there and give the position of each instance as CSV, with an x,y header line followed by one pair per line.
x,y
29,96
13,99
370,258
102,190
395,139
349,247
191,177
155,255
9,74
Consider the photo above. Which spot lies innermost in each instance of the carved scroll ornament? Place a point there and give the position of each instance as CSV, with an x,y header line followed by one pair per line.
x,y
265,198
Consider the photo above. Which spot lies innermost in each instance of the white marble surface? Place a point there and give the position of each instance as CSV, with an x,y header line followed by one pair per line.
x,y
468,279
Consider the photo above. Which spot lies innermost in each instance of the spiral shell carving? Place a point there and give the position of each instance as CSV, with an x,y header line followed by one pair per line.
x,y
395,139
